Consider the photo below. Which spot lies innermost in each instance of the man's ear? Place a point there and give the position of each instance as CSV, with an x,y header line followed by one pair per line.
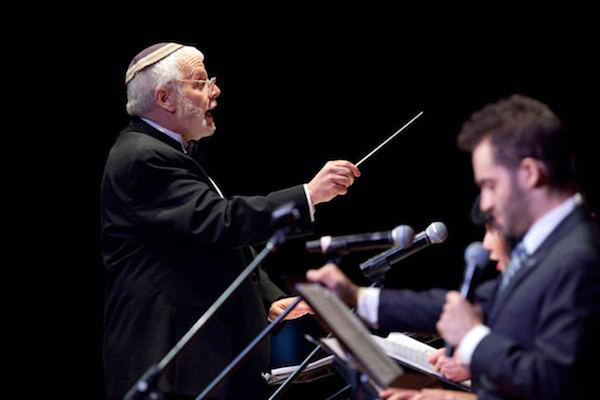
x,y
532,173
165,98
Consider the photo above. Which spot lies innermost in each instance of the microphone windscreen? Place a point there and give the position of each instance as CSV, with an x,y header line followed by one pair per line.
x,y
437,232
477,255
403,235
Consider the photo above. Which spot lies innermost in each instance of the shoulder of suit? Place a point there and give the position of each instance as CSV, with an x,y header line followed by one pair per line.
x,y
581,243
135,152
142,141
136,146
585,237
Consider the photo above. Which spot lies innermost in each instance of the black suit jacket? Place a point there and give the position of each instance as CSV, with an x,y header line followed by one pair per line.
x,y
172,245
545,330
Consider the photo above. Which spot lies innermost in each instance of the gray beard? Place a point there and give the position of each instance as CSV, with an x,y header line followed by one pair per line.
x,y
195,116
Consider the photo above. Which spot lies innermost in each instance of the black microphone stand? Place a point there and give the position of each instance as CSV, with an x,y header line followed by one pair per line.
x,y
146,388
284,386
247,351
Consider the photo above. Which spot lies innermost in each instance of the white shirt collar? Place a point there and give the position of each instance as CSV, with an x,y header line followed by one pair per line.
x,y
173,135
543,227
176,136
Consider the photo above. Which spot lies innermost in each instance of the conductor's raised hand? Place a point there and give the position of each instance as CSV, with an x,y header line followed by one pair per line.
x,y
332,180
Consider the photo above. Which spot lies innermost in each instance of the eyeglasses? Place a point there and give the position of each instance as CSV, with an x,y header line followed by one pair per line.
x,y
204,83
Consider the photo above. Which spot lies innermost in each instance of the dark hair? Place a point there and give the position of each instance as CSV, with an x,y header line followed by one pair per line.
x,y
520,127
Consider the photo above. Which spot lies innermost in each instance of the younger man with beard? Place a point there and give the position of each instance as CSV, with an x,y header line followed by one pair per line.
x,y
533,331
538,337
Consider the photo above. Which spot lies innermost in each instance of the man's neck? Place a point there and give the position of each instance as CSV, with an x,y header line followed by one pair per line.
x,y
173,135
167,123
546,200
549,214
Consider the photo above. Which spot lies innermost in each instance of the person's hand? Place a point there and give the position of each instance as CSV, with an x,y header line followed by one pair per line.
x,y
397,394
458,317
333,278
441,394
332,180
280,305
425,394
449,367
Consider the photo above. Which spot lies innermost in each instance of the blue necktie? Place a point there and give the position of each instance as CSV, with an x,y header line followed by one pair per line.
x,y
517,260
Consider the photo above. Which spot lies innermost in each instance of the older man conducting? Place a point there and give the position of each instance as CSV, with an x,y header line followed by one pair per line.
x,y
172,242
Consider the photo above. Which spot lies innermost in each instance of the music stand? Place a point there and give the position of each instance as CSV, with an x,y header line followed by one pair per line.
x,y
358,352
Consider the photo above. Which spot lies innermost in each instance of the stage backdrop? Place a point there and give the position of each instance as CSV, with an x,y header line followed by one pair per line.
x,y
301,84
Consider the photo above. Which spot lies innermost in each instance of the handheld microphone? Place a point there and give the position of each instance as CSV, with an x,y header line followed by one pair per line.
x,y
399,236
376,266
476,258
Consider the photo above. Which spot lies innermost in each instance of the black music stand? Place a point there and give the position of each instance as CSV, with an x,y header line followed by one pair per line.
x,y
365,361
335,258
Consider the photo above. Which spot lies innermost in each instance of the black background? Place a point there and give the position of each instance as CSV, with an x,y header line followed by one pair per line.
x,y
302,83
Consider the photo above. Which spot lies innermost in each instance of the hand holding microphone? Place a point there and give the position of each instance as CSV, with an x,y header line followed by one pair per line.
x,y
459,315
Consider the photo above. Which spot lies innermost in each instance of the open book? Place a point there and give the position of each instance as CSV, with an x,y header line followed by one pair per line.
x,y
413,353
356,347
403,348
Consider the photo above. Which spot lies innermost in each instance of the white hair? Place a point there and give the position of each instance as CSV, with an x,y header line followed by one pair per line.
x,y
140,90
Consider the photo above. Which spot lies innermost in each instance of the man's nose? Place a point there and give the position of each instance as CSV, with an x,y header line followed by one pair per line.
x,y
215,91
485,202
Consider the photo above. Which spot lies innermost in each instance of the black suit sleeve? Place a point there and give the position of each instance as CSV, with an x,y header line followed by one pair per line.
x,y
269,292
401,309
171,198
407,310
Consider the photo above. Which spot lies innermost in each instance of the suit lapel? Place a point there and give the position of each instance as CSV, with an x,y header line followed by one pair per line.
x,y
535,260
500,298
138,125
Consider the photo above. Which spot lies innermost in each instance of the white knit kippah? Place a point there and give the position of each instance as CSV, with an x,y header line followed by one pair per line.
x,y
150,55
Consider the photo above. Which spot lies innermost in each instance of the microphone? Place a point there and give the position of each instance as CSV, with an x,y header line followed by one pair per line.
x,y
284,216
376,266
399,236
476,258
